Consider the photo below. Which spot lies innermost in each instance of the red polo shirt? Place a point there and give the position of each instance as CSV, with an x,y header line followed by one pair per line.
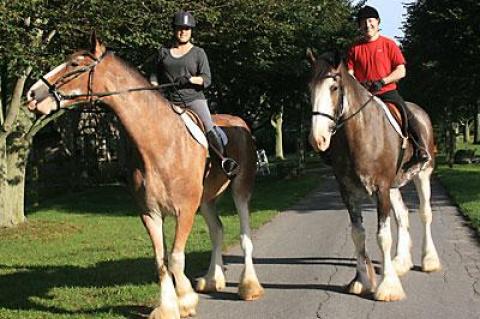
x,y
371,61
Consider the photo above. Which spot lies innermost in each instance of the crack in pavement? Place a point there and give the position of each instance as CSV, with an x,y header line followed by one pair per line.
x,y
330,279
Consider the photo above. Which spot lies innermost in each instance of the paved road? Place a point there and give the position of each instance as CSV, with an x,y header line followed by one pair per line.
x,y
305,256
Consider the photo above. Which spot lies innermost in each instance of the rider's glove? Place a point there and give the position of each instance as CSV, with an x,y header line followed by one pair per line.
x,y
182,81
377,85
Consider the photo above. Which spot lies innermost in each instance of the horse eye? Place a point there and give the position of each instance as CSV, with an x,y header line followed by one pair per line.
x,y
74,63
334,88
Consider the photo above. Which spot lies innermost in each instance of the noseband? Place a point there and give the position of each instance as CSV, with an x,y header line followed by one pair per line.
x,y
338,119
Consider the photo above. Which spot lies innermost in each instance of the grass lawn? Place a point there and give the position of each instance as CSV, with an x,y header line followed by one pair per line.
x,y
463,184
87,255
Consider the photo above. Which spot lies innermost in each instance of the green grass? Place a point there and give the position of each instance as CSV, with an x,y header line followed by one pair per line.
x,y
86,255
468,146
463,184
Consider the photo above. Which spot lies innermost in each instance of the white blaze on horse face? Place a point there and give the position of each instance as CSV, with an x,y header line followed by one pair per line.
x,y
320,133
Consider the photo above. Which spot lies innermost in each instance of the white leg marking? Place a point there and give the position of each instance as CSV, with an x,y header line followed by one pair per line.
x,y
168,304
430,260
403,259
390,289
364,281
249,287
214,280
187,298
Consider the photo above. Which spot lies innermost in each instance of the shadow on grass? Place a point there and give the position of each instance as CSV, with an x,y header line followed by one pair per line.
x,y
116,200
20,289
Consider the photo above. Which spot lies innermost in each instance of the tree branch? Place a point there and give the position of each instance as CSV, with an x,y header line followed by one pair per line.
x,y
2,119
15,103
41,122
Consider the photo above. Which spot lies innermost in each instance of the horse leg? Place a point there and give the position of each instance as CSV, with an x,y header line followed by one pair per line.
x,y
430,260
403,259
365,278
249,286
390,288
214,280
168,305
187,298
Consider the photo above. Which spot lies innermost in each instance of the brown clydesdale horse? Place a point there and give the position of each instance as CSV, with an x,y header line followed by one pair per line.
x,y
366,153
167,169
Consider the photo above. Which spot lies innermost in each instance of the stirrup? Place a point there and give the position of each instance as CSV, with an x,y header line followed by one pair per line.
x,y
230,167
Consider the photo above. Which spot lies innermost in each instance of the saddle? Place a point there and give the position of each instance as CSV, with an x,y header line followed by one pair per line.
x,y
195,126
397,114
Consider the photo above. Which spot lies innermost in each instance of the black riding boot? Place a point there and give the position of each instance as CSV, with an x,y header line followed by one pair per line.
x,y
420,148
229,165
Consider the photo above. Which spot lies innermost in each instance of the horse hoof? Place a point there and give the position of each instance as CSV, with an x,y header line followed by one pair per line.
x,y
390,289
250,290
402,265
211,285
357,288
187,304
431,263
164,313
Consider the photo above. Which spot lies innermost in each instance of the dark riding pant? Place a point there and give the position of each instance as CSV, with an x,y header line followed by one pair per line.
x,y
415,128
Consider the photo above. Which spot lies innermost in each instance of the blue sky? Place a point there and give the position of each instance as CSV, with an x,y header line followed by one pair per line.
x,y
392,14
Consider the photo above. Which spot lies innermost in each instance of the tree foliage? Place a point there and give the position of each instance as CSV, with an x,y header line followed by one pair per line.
x,y
442,41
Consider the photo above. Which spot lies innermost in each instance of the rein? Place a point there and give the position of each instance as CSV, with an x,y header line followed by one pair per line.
x,y
53,88
338,119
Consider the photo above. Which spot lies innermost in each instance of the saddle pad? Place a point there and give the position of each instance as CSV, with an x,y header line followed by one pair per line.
x,y
222,134
390,117
196,132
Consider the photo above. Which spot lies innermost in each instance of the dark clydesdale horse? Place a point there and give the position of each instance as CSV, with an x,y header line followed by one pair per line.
x,y
367,161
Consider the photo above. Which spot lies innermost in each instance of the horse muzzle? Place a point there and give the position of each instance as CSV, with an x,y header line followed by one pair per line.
x,y
320,143
46,106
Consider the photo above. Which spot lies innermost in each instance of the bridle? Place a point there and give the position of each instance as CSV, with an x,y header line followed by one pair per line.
x,y
93,97
338,118
58,96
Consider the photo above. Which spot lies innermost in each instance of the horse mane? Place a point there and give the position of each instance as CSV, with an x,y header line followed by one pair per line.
x,y
131,70
355,91
331,60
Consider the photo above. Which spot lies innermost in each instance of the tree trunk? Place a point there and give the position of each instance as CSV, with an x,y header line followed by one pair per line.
x,y
277,122
476,125
12,183
3,181
301,142
450,139
466,132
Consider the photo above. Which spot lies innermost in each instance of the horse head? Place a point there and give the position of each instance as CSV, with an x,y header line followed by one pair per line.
x,y
69,83
326,90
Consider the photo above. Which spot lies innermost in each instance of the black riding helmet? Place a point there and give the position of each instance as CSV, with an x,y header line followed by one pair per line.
x,y
183,19
367,12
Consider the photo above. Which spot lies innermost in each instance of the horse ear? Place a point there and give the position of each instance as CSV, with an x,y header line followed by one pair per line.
x,y
311,56
337,58
96,46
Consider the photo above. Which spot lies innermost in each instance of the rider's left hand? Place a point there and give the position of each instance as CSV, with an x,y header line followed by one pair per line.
x,y
182,81
377,85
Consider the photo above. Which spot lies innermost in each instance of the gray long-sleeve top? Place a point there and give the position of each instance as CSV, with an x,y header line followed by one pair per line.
x,y
193,63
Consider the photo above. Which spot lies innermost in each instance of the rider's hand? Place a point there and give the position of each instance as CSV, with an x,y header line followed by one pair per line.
x,y
377,85
182,81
